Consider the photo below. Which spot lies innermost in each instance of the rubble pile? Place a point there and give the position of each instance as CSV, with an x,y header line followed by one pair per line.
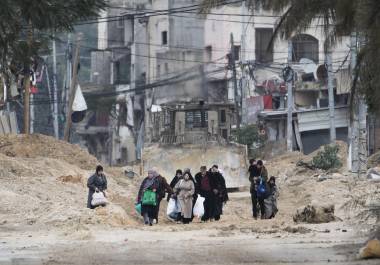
x,y
315,214
44,185
37,145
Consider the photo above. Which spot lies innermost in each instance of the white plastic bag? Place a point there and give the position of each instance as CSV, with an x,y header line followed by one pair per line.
x,y
98,198
199,209
172,207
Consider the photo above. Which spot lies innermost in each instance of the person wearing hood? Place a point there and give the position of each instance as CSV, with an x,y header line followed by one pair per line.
x,y
185,189
149,184
178,176
96,183
271,201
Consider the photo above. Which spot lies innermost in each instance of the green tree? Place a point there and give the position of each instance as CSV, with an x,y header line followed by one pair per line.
x,y
338,18
25,25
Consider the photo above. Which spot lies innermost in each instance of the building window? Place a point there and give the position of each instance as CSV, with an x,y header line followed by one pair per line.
x,y
208,51
223,117
196,119
264,52
305,46
120,23
237,52
164,38
166,68
158,70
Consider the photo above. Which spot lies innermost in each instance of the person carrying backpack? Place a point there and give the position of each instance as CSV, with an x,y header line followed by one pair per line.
x,y
259,189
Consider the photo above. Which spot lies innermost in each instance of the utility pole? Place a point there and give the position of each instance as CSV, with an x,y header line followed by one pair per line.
x,y
330,87
69,72
244,81
358,121
232,64
49,90
55,95
27,82
288,77
73,88
354,119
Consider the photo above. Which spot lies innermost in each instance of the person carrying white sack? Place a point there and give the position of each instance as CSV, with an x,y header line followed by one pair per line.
x,y
185,189
96,183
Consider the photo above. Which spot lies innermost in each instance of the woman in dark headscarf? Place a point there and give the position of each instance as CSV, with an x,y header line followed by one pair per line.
x,y
150,183
271,201
96,183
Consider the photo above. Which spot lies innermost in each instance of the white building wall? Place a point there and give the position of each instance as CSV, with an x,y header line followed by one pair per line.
x,y
218,29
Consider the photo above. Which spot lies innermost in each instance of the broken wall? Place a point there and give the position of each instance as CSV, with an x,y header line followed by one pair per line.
x,y
232,159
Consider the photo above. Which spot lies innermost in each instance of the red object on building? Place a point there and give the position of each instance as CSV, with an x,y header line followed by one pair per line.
x,y
33,90
268,104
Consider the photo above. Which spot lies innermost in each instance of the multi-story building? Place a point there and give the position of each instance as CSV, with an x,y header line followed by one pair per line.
x,y
169,70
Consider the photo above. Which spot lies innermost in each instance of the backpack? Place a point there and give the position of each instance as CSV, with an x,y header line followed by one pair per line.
x,y
262,189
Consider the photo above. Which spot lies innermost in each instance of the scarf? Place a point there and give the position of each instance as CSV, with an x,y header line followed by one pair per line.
x,y
149,182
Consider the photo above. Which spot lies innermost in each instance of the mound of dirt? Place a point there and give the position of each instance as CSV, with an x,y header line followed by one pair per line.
x,y
44,185
306,161
315,214
37,145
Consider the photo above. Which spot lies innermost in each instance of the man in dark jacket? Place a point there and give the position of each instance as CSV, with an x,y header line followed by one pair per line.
x,y
219,189
205,189
96,183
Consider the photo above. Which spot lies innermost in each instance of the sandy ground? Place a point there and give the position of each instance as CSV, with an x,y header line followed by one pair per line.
x,y
44,219
239,242
226,242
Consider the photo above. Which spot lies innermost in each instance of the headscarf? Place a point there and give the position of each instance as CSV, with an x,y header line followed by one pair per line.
x,y
149,182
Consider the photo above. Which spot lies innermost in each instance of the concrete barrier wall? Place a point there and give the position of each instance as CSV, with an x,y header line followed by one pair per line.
x,y
232,159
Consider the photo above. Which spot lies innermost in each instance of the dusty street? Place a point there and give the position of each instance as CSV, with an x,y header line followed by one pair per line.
x,y
247,242
44,219
217,246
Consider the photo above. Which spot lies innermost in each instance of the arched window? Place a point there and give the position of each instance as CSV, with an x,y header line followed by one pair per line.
x,y
305,46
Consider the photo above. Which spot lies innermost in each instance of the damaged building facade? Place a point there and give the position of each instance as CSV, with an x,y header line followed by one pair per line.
x,y
168,79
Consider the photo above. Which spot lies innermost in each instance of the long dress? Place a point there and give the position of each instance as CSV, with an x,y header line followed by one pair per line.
x,y
186,190
270,203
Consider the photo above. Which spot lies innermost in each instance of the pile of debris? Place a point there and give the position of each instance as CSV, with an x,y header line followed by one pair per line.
x,y
37,145
44,185
315,214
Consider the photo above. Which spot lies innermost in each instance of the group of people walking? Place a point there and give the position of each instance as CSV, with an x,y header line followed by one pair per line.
x,y
185,189
264,192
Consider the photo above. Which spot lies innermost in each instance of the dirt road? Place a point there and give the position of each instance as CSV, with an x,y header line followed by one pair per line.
x,y
217,246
